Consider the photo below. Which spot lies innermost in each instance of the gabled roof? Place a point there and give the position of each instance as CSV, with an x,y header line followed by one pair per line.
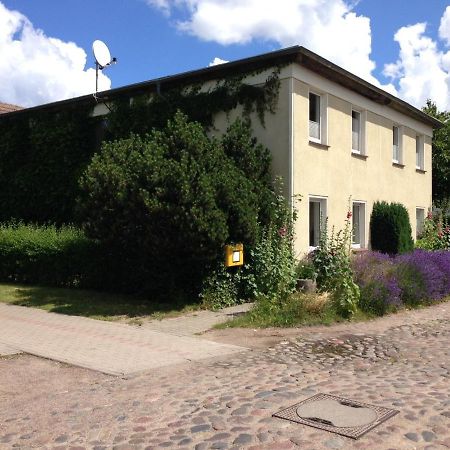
x,y
7,107
298,54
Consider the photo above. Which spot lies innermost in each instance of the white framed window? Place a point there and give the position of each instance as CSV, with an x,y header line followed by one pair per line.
x,y
317,215
397,150
358,132
318,118
420,158
358,224
420,220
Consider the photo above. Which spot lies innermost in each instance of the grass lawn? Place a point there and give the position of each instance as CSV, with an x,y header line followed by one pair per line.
x,y
94,304
301,310
298,310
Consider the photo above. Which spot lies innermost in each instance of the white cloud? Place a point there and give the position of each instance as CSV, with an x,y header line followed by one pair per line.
x,y
36,69
328,27
216,61
444,28
422,71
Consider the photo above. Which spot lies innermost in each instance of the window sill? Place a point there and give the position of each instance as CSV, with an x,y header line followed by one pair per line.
x,y
419,170
359,155
359,250
397,164
319,145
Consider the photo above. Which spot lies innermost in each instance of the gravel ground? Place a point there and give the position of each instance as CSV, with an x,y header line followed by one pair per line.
x,y
400,362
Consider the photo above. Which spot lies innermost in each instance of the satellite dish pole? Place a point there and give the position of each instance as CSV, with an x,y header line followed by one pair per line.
x,y
103,59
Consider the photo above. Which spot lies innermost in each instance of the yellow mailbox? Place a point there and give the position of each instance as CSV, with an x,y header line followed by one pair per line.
x,y
234,255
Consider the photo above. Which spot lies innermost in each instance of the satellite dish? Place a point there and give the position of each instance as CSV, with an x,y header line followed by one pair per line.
x,y
101,54
102,59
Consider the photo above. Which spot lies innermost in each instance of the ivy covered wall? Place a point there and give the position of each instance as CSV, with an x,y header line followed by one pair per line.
x,y
42,156
43,153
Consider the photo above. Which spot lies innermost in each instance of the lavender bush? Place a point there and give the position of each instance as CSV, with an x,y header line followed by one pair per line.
x,y
375,275
387,283
424,275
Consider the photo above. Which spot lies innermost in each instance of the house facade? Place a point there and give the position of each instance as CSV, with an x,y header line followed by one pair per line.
x,y
339,143
342,144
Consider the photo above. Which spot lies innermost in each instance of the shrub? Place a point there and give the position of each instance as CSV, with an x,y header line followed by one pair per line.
x,y
221,288
334,274
49,256
436,233
375,275
165,204
390,229
424,276
306,270
414,278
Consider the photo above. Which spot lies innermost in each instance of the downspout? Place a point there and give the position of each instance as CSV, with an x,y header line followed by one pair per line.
x,y
291,191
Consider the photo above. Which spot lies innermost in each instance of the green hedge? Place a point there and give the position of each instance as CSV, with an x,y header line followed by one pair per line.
x,y
49,256
390,229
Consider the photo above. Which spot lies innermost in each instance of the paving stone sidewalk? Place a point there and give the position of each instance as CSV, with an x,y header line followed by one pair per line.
x,y
196,322
112,348
400,362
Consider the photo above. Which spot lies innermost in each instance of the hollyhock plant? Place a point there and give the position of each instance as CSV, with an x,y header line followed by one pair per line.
x,y
436,233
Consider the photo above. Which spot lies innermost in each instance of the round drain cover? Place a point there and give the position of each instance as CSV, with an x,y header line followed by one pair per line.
x,y
336,413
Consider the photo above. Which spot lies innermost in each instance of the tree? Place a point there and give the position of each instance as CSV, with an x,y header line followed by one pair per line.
x,y
165,203
441,153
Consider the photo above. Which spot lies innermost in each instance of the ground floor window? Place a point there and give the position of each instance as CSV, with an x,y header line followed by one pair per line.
x,y
317,213
420,219
358,224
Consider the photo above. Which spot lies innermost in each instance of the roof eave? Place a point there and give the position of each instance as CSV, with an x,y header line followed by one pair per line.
x,y
296,54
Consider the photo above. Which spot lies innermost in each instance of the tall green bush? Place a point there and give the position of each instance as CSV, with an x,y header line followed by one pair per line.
x,y
166,203
390,229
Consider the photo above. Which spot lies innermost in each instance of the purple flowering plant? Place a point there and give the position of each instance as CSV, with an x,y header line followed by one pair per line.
x,y
387,283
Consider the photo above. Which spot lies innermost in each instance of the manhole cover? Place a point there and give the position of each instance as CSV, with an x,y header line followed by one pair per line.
x,y
348,418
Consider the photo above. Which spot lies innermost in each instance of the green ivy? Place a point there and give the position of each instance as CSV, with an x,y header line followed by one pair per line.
x,y
142,114
43,153
42,156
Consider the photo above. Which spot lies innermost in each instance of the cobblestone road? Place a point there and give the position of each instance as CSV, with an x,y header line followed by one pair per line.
x,y
228,403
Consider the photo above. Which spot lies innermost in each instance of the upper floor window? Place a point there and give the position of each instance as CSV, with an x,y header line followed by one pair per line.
x,y
396,145
317,118
358,132
314,116
420,164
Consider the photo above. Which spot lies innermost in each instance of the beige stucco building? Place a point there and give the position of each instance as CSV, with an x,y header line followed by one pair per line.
x,y
338,142
341,144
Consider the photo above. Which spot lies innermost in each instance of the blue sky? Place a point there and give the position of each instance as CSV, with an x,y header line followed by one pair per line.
x,y
153,38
